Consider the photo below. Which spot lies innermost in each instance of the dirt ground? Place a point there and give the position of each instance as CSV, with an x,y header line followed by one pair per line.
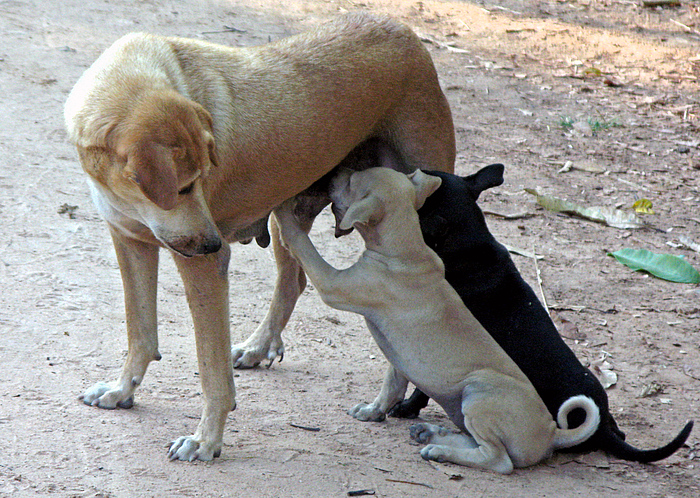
x,y
607,88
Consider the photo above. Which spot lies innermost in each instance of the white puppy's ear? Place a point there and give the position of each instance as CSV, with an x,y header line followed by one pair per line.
x,y
362,211
425,185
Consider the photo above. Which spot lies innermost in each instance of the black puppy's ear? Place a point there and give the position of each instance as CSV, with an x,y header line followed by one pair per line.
x,y
487,177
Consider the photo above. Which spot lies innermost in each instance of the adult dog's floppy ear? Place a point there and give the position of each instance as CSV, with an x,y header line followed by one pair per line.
x,y
208,125
425,185
151,166
362,211
211,148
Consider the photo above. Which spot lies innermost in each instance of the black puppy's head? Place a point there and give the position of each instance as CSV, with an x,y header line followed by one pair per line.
x,y
450,219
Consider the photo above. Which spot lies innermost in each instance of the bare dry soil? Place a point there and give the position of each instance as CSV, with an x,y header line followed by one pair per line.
x,y
607,88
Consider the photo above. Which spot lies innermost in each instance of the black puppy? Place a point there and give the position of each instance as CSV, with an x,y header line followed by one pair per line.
x,y
483,274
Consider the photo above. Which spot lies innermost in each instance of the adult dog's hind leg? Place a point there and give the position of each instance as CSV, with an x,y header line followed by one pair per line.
x,y
138,263
265,344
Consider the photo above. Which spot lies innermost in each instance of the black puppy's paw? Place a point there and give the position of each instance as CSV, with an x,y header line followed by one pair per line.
x,y
404,409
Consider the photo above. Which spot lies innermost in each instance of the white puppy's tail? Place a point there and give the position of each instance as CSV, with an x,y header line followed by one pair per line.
x,y
565,437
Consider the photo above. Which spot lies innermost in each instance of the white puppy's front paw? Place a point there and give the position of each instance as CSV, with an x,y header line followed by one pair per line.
x,y
367,412
250,354
187,448
108,395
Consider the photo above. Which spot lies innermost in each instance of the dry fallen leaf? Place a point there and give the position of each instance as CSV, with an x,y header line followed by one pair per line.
x,y
603,370
651,389
602,214
689,243
643,206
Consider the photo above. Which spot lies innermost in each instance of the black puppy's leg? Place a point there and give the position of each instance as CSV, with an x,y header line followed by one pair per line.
x,y
411,407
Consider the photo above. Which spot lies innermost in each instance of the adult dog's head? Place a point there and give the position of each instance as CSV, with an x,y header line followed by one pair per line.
x,y
147,155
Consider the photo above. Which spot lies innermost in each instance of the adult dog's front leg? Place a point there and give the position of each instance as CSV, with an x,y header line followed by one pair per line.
x,y
138,263
206,284
266,342
393,391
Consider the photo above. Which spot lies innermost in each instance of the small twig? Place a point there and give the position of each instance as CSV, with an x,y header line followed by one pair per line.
x,y
440,44
661,3
686,28
383,470
310,429
513,216
411,482
361,492
506,9
227,29
539,280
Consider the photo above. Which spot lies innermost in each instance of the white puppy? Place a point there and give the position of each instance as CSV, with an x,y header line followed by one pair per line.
x,y
426,332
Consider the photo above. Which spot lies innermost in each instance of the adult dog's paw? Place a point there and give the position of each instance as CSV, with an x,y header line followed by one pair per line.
x,y
189,449
251,353
367,412
108,395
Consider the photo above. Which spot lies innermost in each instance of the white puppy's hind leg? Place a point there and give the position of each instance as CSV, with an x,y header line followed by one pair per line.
x,y
460,448
428,433
393,390
484,456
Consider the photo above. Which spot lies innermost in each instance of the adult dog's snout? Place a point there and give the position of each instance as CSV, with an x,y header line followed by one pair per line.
x,y
195,246
211,246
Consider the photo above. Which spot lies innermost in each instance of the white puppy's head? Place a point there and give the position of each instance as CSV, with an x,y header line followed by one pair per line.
x,y
366,198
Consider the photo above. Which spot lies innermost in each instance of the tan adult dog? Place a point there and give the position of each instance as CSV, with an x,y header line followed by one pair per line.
x,y
189,145
427,333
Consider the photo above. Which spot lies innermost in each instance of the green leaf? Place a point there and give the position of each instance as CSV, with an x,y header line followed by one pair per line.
x,y
665,266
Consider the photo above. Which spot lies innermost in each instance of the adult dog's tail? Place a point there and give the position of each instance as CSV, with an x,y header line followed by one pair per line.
x,y
611,443
565,437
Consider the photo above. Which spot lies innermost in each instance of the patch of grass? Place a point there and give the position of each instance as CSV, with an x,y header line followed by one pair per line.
x,y
567,122
597,125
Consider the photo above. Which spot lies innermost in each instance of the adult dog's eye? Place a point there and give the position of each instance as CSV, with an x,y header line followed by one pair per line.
x,y
188,189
